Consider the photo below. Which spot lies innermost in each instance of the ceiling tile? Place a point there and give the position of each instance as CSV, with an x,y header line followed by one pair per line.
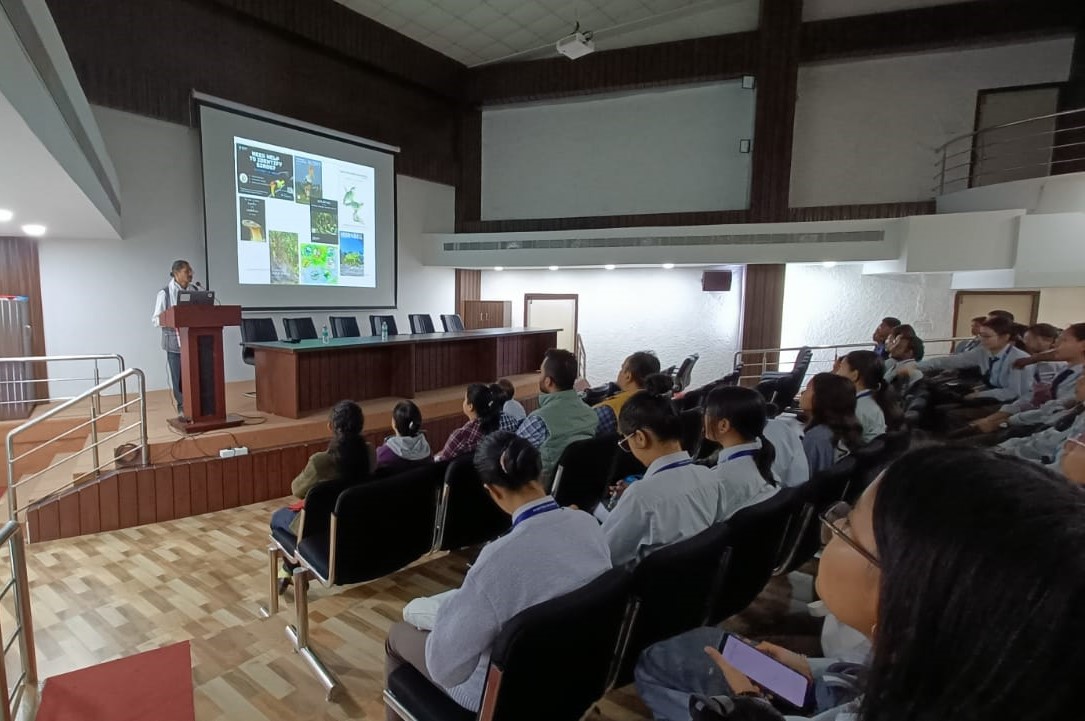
x,y
480,15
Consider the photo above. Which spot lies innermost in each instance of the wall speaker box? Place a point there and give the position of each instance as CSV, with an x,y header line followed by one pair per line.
x,y
716,281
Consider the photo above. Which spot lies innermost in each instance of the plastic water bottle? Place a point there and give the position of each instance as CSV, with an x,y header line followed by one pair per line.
x,y
324,335
384,330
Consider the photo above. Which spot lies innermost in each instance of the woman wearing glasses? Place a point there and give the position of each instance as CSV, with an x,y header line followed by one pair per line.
x,y
964,568
676,499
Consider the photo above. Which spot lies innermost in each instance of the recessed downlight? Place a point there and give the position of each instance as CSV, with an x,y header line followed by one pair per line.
x,y
33,229
829,264
6,215
499,268
609,266
553,267
668,266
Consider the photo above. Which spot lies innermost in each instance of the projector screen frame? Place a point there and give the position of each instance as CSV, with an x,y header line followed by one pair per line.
x,y
203,100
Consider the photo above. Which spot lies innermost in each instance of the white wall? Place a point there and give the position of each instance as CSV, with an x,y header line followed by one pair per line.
x,y
649,152
98,295
823,306
626,310
866,131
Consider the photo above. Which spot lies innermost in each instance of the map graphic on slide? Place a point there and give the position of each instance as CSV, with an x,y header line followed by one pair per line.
x,y
351,253
319,264
303,218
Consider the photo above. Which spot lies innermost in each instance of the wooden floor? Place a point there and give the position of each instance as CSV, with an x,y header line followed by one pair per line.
x,y
109,595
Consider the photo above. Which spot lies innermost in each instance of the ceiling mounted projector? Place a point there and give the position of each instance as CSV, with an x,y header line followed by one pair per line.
x,y
576,45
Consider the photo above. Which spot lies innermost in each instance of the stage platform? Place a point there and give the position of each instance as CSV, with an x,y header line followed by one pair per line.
x,y
278,449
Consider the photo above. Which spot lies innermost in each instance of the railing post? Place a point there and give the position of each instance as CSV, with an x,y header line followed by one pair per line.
x,y
22,608
942,175
145,451
95,411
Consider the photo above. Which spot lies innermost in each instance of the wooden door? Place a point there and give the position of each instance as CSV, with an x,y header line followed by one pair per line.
x,y
479,314
971,304
544,310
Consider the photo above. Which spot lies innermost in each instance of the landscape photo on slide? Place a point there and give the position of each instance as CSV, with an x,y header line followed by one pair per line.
x,y
319,264
353,189
253,219
324,221
351,253
307,180
284,258
265,173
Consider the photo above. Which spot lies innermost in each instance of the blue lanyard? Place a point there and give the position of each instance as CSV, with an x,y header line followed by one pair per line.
x,y
536,511
676,464
741,454
864,394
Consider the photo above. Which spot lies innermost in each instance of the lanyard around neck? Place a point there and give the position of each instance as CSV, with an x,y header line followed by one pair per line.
x,y
749,452
676,464
538,510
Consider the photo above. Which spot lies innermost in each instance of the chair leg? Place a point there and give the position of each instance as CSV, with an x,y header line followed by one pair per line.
x,y
299,636
274,558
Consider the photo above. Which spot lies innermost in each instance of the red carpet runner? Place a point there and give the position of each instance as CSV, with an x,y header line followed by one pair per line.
x,y
151,686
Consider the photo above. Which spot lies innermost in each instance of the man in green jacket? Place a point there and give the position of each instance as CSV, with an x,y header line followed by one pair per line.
x,y
562,417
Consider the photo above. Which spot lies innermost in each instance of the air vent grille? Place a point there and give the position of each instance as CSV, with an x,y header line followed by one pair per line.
x,y
858,236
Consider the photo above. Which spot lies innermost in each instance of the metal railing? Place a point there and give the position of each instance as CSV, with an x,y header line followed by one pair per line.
x,y
1030,148
95,378
761,360
11,533
94,395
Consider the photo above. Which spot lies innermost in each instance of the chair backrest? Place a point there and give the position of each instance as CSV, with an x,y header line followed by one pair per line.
x,y
386,524
692,430
552,661
467,515
685,373
258,330
345,326
802,364
376,320
319,505
299,328
452,322
757,538
822,490
583,471
673,590
421,323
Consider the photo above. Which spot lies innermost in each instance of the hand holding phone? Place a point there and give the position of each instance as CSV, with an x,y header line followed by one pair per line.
x,y
775,675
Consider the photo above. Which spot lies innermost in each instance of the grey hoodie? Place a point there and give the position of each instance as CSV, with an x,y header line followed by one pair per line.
x,y
400,450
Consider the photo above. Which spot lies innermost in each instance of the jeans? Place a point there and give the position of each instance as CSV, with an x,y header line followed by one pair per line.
x,y
282,518
670,671
173,365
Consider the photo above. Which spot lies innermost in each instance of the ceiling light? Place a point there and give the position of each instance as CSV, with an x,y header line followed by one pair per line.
x,y
34,229
553,267
499,268
829,264
6,215
609,266
668,266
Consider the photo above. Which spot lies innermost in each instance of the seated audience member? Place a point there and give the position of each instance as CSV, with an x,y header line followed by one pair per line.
x,y
832,430
995,360
1072,460
1042,446
409,445
676,499
348,457
1040,340
549,552
875,403
561,417
790,466
966,345
1069,356
881,335
482,406
901,370
735,418
1000,314
956,535
512,408
631,378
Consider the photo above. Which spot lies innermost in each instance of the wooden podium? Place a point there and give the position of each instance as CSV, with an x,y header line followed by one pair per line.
x,y
203,381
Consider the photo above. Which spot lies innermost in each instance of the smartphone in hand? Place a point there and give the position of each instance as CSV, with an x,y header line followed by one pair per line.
x,y
768,673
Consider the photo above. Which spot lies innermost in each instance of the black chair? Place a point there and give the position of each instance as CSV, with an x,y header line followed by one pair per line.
x,y
550,662
345,326
256,330
299,328
452,322
780,388
825,488
870,460
596,395
583,471
673,590
421,323
375,324
757,537
692,430
466,515
376,528
684,373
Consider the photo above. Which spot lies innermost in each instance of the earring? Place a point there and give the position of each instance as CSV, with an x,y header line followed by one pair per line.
x,y
873,630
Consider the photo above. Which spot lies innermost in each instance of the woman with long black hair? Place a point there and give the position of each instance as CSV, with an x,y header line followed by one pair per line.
x,y
832,431
482,404
876,405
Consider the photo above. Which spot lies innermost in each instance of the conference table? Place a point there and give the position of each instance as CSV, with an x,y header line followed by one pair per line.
x,y
293,379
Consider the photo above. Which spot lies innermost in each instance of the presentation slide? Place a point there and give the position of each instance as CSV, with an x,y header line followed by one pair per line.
x,y
297,216
302,219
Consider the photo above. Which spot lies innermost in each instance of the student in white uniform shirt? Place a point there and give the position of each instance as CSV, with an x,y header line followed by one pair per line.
x,y
906,349
996,361
675,500
875,406
1069,353
790,466
550,551
735,418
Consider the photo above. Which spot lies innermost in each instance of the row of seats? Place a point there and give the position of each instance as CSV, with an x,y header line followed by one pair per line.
x,y
262,330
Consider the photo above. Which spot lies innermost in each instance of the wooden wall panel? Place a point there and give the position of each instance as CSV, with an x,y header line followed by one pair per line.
x,y
469,185
146,508
231,496
197,479
20,275
275,475
260,477
468,287
48,526
109,504
866,211
245,492
182,490
214,485
163,493
128,498
90,511
68,511
763,306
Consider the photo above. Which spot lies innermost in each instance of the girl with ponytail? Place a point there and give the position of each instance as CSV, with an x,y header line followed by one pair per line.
x,y
482,405
735,418
876,405
409,445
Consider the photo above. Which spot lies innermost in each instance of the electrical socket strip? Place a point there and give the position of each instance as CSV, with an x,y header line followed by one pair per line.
x,y
231,452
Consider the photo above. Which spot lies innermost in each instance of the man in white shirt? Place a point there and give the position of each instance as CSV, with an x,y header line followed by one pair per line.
x,y
180,279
